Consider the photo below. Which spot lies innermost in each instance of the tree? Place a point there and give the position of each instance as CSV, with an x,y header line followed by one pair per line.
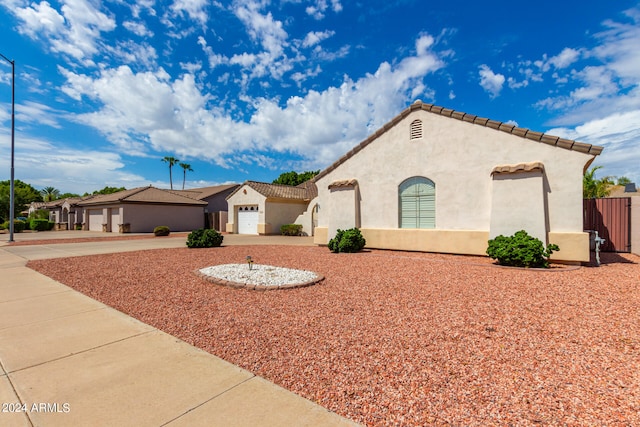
x,y
593,188
623,180
24,195
185,167
108,190
68,195
49,194
172,162
293,178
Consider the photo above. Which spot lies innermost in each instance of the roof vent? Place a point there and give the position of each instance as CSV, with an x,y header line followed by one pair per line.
x,y
630,188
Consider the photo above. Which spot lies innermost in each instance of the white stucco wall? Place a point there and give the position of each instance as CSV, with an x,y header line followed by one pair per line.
x,y
279,213
458,157
518,203
245,196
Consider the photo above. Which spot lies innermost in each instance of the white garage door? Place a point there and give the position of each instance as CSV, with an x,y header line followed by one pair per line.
x,y
115,219
95,220
248,220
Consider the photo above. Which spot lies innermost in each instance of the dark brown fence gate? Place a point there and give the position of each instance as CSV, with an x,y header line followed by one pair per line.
x,y
611,218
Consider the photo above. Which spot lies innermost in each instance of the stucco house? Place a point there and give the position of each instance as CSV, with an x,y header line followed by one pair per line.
x,y
64,213
439,180
216,198
262,208
140,210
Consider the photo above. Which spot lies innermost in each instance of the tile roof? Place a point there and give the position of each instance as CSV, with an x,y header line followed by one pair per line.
x,y
344,183
304,192
204,192
142,195
544,138
619,191
520,167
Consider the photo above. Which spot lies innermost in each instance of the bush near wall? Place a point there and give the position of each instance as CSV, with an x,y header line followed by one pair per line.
x,y
161,230
38,224
347,241
291,229
520,250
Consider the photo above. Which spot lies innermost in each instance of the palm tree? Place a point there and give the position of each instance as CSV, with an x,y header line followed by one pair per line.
x,y
49,194
592,187
185,167
172,161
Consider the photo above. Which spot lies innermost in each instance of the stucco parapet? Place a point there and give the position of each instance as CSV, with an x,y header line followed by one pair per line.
x,y
520,167
343,183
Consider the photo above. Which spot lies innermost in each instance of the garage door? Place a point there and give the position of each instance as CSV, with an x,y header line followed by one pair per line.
x,y
95,220
115,219
248,220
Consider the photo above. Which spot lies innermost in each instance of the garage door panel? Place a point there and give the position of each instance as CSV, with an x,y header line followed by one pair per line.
x,y
248,220
95,220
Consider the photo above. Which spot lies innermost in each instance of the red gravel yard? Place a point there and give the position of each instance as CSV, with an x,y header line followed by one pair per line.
x,y
399,338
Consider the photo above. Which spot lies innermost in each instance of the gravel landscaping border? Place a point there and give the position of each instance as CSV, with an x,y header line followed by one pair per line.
x,y
401,338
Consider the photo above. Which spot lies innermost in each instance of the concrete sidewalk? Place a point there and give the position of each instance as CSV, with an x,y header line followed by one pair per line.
x,y
68,360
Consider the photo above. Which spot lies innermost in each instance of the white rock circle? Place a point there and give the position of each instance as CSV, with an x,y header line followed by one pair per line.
x,y
259,276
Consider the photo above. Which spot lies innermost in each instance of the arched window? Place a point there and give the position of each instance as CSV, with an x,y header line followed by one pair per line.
x,y
416,129
417,199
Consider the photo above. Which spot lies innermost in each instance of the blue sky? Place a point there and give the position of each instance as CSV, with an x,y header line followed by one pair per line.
x,y
249,89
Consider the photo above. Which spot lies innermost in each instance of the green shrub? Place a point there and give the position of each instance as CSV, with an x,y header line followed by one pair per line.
x,y
520,250
40,214
39,224
204,238
347,241
291,229
18,226
161,230
50,225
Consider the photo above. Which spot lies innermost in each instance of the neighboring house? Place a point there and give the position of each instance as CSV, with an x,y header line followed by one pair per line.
x,y
216,198
64,213
262,208
140,210
438,180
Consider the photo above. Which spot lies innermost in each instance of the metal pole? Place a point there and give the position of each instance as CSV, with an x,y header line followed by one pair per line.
x,y
13,132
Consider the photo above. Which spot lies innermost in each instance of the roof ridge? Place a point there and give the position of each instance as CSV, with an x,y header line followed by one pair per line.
x,y
567,144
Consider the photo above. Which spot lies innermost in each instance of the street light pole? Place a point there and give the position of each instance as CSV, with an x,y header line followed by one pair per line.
x,y
13,132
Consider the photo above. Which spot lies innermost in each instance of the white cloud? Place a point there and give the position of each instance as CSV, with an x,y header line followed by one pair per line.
x,y
34,112
490,81
138,28
270,35
176,116
68,169
319,8
619,134
567,57
194,9
73,31
314,37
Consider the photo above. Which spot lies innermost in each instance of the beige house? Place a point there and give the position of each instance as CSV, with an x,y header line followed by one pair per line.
x,y
216,198
64,213
438,180
140,210
262,208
